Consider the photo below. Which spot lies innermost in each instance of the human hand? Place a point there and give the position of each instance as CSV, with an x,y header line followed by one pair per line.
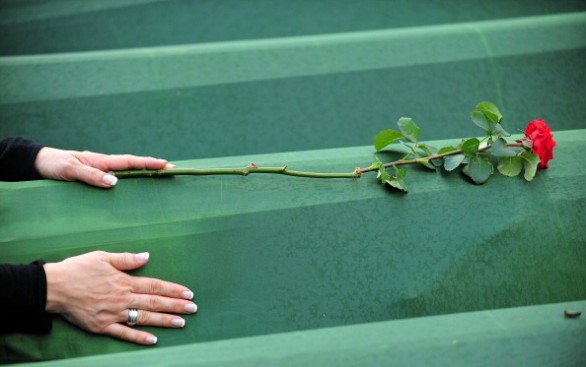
x,y
91,168
93,292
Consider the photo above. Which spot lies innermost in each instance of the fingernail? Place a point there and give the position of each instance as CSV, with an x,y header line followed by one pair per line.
x,y
190,307
188,295
151,339
143,256
170,166
109,180
178,322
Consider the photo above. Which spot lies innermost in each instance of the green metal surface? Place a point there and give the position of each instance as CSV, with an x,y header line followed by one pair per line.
x,y
58,26
269,254
334,86
526,336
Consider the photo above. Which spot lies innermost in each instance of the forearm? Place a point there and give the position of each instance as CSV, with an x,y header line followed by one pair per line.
x,y
17,159
24,293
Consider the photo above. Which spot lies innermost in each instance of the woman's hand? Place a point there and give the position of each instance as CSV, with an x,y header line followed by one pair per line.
x,y
91,168
93,292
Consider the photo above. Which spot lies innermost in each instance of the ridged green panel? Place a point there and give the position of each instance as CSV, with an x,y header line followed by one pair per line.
x,y
269,254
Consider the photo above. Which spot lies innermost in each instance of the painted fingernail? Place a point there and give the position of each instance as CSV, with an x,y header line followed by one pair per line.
x,y
143,256
188,295
109,180
151,339
190,307
178,322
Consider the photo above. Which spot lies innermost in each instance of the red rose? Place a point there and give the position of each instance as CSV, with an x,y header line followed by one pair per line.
x,y
542,142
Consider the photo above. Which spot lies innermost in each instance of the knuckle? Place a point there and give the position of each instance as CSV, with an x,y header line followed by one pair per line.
x,y
144,317
154,304
99,323
127,258
101,255
127,158
68,172
155,287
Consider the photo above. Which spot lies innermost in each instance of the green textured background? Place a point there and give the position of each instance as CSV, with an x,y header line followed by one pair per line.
x,y
34,27
185,80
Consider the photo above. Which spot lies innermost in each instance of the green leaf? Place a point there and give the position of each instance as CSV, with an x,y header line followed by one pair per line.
x,y
488,117
427,149
446,150
376,164
470,146
490,111
498,128
386,137
426,163
409,129
530,162
481,121
466,170
510,166
479,169
451,162
398,182
500,149
485,123
383,175
437,162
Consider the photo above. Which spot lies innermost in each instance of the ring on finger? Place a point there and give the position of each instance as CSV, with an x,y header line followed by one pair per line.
x,y
132,316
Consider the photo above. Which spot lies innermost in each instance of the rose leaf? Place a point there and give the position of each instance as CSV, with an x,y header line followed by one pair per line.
x,y
409,129
500,149
510,166
451,162
386,137
530,162
479,170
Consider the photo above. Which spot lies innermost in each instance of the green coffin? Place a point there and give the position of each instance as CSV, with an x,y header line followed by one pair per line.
x,y
195,79
271,254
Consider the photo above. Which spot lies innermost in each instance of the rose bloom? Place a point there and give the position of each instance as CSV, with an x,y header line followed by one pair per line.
x,y
542,142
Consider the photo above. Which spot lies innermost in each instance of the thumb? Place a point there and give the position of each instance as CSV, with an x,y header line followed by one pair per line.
x,y
128,261
93,176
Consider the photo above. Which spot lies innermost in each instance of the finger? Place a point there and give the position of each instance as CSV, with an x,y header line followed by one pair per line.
x,y
148,318
124,332
91,176
143,285
159,287
153,303
127,261
127,161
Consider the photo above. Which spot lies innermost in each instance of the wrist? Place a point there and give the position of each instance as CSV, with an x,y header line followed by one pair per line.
x,y
54,284
43,156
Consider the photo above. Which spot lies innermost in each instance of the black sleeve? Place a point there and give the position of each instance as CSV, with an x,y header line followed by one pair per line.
x,y
24,297
17,159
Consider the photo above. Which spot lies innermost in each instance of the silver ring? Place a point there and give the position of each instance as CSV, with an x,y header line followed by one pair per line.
x,y
132,316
